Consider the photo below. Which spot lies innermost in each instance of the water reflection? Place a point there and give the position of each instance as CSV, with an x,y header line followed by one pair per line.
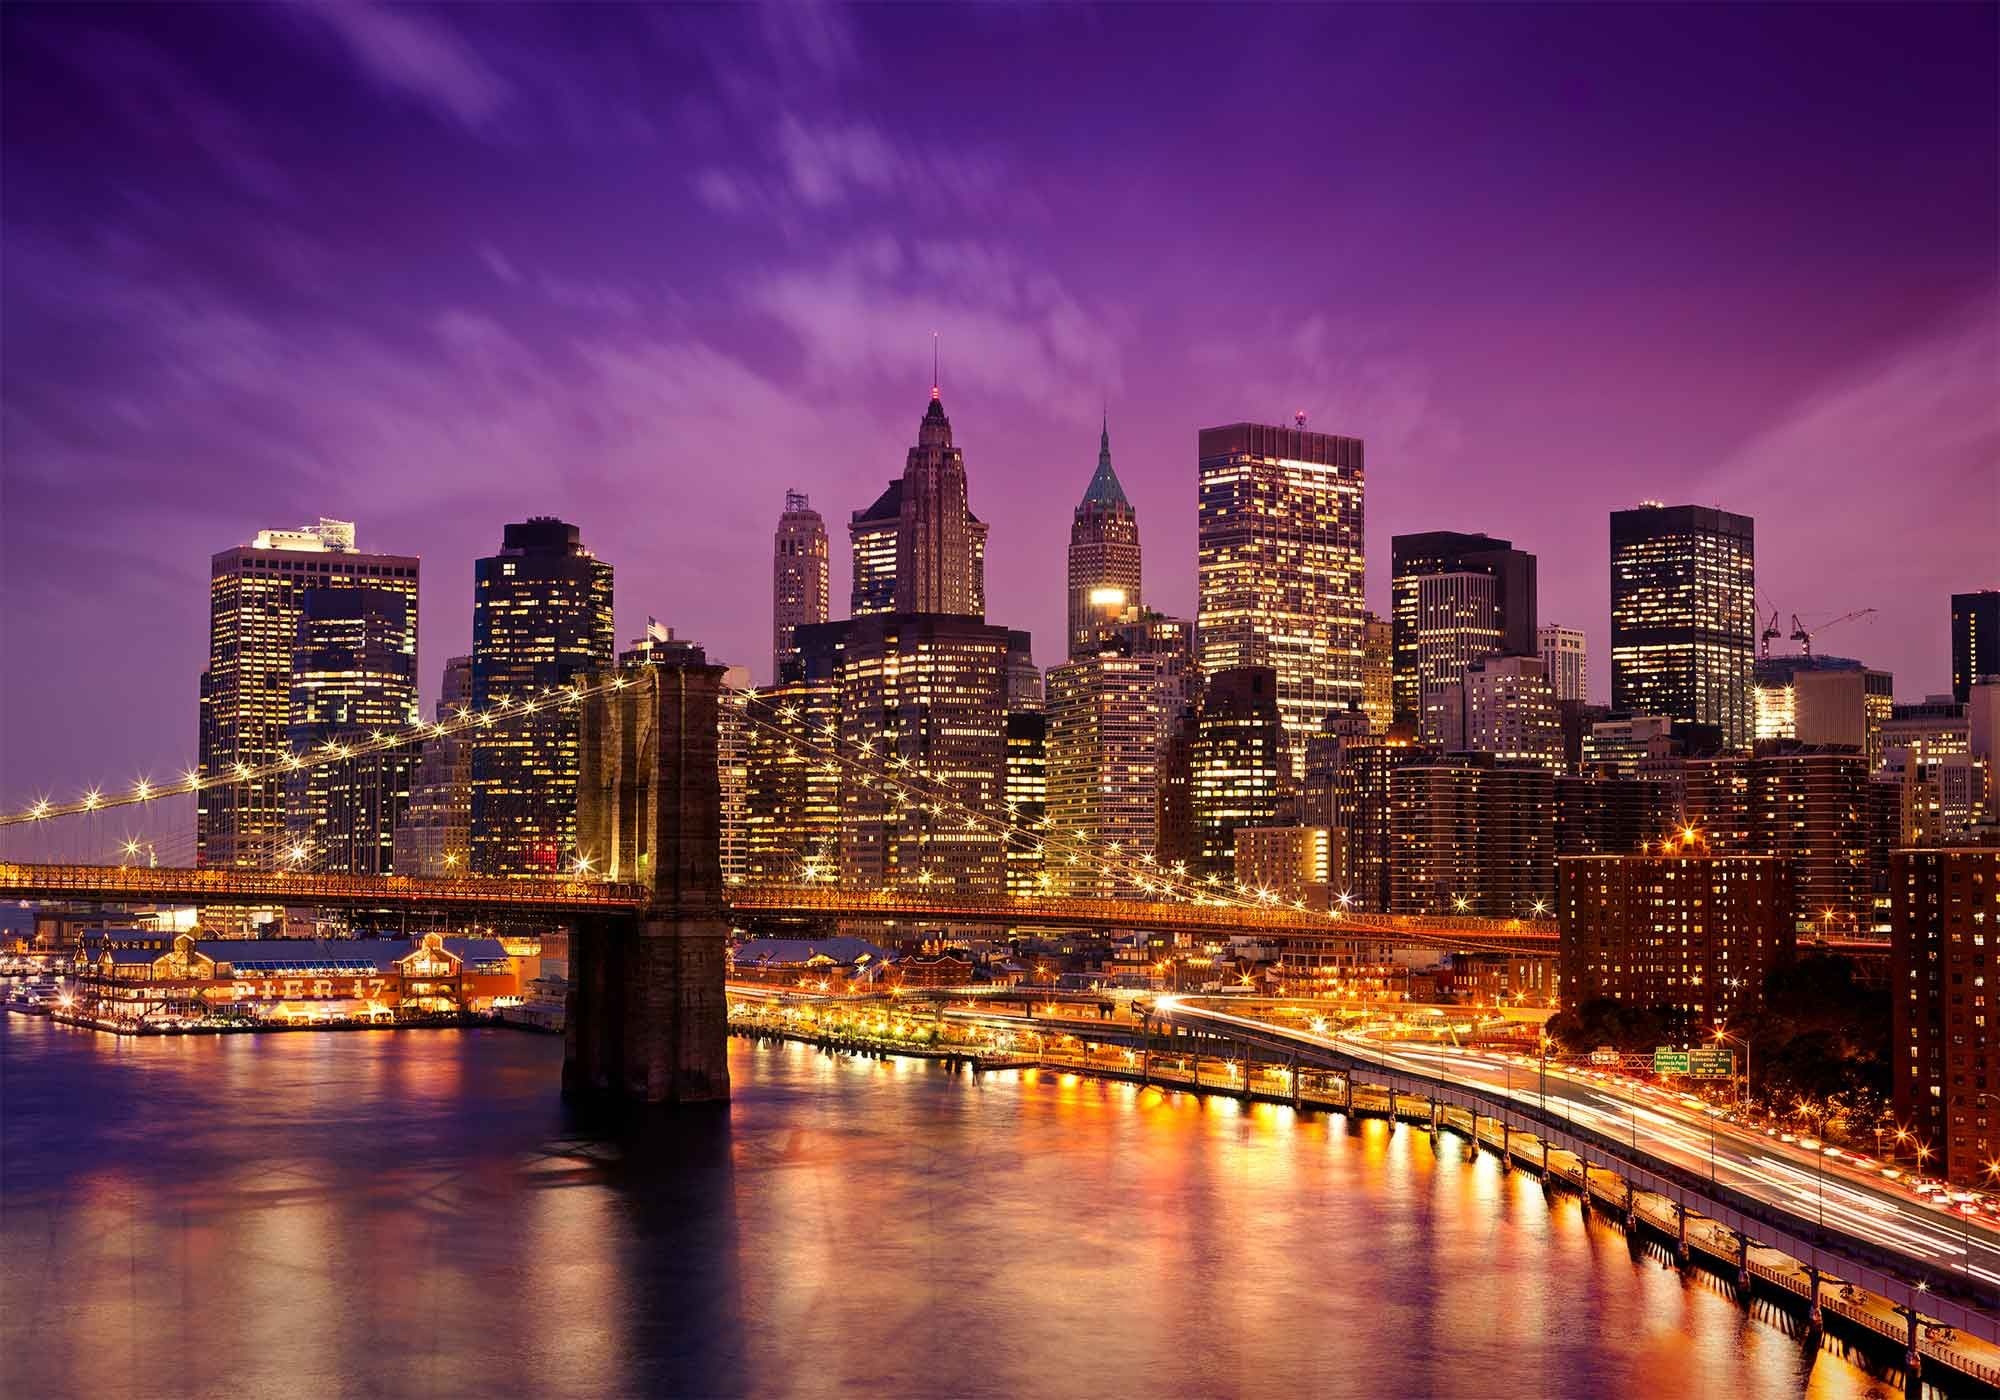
x,y
415,1213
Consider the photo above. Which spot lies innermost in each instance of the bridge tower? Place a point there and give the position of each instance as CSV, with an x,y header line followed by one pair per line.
x,y
647,1020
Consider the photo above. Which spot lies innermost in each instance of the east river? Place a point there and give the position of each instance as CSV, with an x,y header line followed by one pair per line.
x,y
414,1213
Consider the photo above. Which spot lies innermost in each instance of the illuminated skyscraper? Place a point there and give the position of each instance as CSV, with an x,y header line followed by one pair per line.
x,y
1975,640
1510,711
1282,567
1378,672
1237,764
1563,653
1441,629
1103,555
799,588
1027,799
1456,623
541,620
1471,836
1108,715
434,835
254,599
919,548
351,681
1684,615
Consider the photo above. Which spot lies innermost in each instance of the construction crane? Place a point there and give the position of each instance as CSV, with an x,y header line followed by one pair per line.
x,y
1804,635
1771,631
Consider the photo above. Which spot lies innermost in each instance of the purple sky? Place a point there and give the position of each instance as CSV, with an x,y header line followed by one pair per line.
x,y
434,270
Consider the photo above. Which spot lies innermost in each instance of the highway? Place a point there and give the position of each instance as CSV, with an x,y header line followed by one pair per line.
x,y
1812,1188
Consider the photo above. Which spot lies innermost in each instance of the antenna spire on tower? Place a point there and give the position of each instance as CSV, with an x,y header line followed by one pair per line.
x,y
934,367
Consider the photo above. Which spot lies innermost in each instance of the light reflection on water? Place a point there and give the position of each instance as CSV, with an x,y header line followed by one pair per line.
x,y
415,1213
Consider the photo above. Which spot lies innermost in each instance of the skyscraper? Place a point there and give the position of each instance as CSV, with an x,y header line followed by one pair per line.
x,y
919,548
799,588
1237,764
1456,622
433,837
1684,615
1378,672
1282,567
1108,714
1563,653
1103,554
1975,640
1027,799
351,681
1947,1054
1440,630
254,599
1510,711
541,619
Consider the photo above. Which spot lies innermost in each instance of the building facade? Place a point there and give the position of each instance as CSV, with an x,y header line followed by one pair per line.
x,y
1843,707
1510,711
1468,836
541,621
1684,615
255,594
1438,633
1975,640
1237,763
1282,568
1378,672
1103,555
351,680
1027,801
1108,715
1565,653
1944,920
800,591
1685,929
1457,624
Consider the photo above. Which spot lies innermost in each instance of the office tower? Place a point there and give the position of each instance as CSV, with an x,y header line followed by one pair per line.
x,y
929,689
1103,554
1237,763
433,838
1847,706
1108,714
1684,615
1378,672
791,797
1457,622
732,757
1563,653
1813,808
1440,629
254,597
1774,693
1945,901
1027,801
541,621
1024,678
919,548
1621,748
1510,711
1975,640
1282,566
1680,927
1468,836
1921,732
352,681
799,587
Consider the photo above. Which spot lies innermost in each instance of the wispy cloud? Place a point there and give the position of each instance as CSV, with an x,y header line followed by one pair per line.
x,y
409,52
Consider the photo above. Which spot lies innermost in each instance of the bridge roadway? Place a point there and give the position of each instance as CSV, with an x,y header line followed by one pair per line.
x,y
1944,1265
570,897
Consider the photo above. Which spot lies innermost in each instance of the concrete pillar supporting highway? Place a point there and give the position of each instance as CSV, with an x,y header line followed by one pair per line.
x,y
1146,1052
1347,1094
1292,1074
1815,1319
1506,1144
1680,1232
1434,1117
1913,1358
1244,1054
1392,1110
1631,1210
1742,1260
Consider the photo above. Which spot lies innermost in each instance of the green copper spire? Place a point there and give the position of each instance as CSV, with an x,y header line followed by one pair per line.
x,y
1104,490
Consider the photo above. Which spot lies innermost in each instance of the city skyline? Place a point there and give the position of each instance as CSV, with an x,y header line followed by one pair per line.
x,y
496,365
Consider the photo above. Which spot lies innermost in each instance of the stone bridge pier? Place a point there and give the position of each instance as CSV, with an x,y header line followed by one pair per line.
x,y
647,1022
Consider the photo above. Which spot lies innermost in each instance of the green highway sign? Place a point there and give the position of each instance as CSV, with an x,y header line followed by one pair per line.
x,y
1711,1064
1667,1060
